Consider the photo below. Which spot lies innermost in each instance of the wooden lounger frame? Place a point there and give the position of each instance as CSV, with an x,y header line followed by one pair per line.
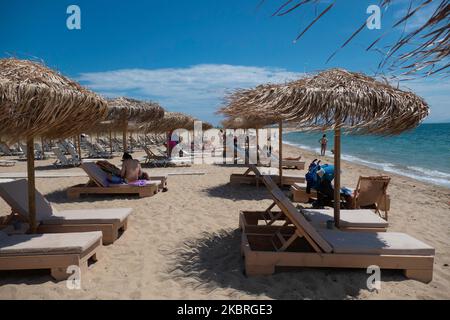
x,y
384,204
146,191
297,164
256,177
252,220
300,195
302,246
57,263
163,184
110,231
264,262
95,187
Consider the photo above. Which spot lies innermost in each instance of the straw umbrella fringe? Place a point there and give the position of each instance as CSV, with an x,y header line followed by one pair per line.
x,y
133,110
172,121
358,103
37,101
123,110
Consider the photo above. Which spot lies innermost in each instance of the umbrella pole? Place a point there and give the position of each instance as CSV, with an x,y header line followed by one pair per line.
x,y
280,160
257,147
110,142
31,185
337,176
79,145
42,147
124,137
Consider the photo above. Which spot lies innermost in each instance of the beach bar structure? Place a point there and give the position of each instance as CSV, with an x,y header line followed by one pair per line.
x,y
335,99
36,101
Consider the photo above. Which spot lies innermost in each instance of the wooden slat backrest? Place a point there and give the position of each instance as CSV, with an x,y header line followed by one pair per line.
x,y
297,218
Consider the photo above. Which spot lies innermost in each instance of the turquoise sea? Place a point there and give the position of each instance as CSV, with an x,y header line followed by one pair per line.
x,y
422,154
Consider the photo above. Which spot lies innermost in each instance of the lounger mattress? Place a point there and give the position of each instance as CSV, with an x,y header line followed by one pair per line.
x,y
88,216
386,243
48,244
361,218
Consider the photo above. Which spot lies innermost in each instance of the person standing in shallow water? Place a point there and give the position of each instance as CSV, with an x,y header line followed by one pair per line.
x,y
323,145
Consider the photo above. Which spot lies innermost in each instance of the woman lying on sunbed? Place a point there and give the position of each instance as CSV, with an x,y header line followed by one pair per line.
x,y
131,170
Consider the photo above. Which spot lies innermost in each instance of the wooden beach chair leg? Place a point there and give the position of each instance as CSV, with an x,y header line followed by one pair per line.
x,y
423,275
259,270
59,273
73,194
284,243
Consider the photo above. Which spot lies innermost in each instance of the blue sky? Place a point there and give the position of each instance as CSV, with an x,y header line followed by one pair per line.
x,y
188,54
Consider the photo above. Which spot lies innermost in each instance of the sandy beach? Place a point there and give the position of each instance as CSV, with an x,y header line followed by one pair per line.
x,y
185,243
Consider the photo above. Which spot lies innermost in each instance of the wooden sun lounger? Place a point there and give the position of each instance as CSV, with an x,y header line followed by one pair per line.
x,y
7,163
302,245
299,165
111,222
163,185
150,155
372,191
289,163
254,174
99,184
49,251
351,220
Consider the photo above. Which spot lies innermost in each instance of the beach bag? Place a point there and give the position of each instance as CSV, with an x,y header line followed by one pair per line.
x,y
311,176
329,172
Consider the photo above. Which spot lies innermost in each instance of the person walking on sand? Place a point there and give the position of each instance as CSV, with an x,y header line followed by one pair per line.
x,y
323,145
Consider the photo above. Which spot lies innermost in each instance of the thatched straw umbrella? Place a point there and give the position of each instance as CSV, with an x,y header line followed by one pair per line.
x,y
122,110
172,121
251,122
238,118
37,101
336,100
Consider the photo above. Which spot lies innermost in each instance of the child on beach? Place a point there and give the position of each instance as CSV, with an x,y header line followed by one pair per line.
x,y
323,145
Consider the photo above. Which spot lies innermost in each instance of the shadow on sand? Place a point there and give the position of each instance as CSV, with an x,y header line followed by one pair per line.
x,y
29,277
238,192
214,260
60,196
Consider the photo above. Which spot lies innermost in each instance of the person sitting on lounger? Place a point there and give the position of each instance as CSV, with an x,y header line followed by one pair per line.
x,y
131,168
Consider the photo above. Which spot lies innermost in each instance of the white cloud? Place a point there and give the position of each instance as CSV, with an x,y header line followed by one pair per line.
x,y
418,19
436,94
198,90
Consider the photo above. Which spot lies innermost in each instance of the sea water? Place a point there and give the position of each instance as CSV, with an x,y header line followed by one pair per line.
x,y
422,154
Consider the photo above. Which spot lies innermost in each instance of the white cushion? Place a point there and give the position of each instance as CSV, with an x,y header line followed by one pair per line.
x,y
299,186
387,243
15,193
360,218
47,244
88,216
